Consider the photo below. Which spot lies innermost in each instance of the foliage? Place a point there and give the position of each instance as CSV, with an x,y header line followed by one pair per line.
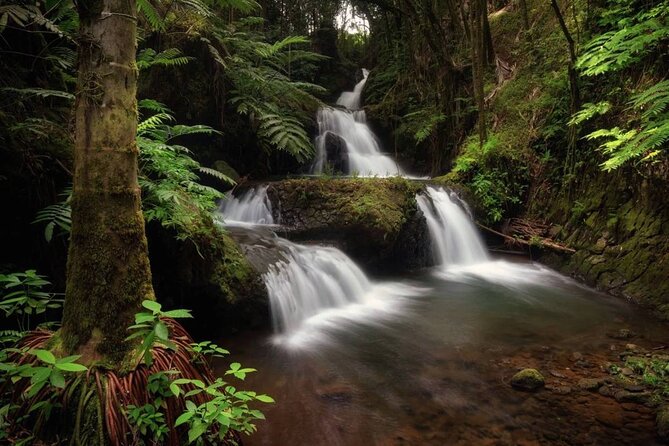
x,y
170,182
151,329
260,73
22,296
57,216
636,35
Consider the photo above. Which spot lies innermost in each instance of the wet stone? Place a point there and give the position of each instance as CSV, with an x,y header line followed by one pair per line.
x,y
623,396
528,380
590,383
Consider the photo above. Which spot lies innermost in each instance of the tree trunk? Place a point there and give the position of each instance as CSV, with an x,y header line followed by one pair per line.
x,y
108,272
478,54
525,14
574,92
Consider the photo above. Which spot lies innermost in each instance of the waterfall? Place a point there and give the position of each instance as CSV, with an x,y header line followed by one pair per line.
x,y
310,280
252,207
317,289
455,240
346,142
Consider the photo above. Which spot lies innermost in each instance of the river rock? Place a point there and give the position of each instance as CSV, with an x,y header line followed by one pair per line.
x,y
376,221
528,380
336,152
590,383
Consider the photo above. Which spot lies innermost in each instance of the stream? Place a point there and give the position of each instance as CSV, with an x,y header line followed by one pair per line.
x,y
426,358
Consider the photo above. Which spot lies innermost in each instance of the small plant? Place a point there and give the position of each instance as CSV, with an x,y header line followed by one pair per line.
x,y
150,327
227,409
22,296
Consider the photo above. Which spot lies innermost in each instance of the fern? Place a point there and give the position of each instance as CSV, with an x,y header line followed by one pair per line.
x,y
589,111
619,49
57,216
147,10
169,58
40,92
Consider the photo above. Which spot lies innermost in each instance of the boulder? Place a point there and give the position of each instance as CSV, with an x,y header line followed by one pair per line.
x,y
528,380
336,153
376,221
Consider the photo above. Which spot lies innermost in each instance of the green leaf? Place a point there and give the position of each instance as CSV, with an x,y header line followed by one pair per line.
x,y
162,332
152,305
57,379
71,367
44,356
178,314
265,398
184,417
196,432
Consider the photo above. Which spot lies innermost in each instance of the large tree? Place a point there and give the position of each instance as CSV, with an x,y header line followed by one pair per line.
x,y
108,273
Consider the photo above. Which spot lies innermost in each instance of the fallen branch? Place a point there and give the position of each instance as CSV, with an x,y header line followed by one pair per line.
x,y
542,242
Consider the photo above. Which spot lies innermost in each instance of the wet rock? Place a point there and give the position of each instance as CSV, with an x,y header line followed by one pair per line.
x,y
634,388
610,418
336,152
623,333
576,356
626,371
558,389
632,347
336,394
528,380
590,383
624,396
662,422
557,374
606,391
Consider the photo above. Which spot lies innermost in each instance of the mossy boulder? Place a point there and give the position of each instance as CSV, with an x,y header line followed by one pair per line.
x,y
209,274
374,220
528,380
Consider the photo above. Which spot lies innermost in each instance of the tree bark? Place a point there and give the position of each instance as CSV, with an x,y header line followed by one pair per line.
x,y
574,92
525,14
478,54
108,272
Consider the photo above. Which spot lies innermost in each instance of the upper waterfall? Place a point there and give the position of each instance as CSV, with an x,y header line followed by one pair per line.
x,y
345,142
454,237
252,206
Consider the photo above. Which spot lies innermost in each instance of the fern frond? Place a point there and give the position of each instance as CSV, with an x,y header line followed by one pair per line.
x,y
40,92
652,101
589,111
216,174
171,57
146,9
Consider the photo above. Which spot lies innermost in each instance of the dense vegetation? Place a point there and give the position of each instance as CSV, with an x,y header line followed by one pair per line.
x,y
551,111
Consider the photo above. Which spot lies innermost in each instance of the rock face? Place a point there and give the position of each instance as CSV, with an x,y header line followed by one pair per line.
x,y
210,276
620,228
336,153
375,221
528,380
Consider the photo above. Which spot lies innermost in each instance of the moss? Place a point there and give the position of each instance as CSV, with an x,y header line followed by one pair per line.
x,y
380,206
528,379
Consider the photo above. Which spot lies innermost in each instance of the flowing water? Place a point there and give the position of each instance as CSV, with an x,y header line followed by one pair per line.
x,y
363,155
426,359
252,207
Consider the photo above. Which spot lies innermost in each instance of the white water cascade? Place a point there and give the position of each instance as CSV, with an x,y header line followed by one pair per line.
x,y
311,288
252,207
318,289
455,240
363,154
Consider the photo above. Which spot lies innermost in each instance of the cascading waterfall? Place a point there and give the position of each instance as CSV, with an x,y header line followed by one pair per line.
x,y
460,252
312,279
357,148
309,287
252,207
455,240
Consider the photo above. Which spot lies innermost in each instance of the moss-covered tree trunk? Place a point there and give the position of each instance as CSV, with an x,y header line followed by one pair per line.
x,y
108,273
